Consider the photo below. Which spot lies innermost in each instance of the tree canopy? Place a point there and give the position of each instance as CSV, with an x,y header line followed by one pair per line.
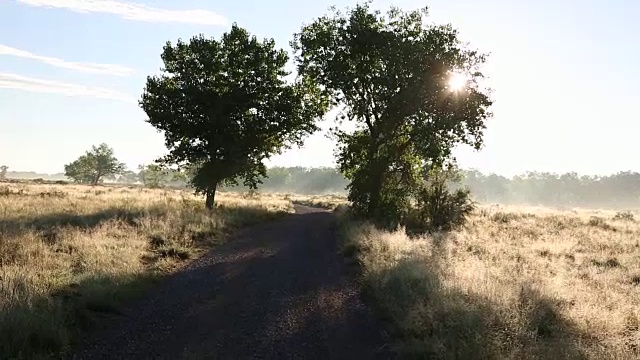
x,y
154,175
391,74
95,164
224,106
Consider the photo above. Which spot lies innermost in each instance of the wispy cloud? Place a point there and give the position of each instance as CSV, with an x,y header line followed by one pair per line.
x,y
77,66
18,82
133,11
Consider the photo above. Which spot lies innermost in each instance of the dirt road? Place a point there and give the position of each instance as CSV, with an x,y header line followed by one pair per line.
x,y
278,291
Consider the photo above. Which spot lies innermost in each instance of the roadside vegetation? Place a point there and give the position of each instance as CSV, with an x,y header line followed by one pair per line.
x,y
70,254
513,283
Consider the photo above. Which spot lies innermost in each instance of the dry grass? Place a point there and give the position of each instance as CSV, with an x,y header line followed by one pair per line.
x,y
329,202
71,253
516,283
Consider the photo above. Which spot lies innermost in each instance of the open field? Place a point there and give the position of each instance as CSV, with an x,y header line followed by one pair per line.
x,y
515,283
69,254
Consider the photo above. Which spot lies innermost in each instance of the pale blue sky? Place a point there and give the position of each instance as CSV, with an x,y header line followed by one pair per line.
x,y
565,75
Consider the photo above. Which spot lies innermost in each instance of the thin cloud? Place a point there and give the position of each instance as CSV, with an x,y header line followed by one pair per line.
x,y
133,11
18,82
94,68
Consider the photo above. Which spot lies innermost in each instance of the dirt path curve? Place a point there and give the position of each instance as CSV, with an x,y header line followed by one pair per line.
x,y
278,291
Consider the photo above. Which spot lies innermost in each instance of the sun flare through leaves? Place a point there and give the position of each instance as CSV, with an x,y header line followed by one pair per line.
x,y
457,81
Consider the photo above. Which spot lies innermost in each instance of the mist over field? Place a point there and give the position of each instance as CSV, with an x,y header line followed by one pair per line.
x,y
615,191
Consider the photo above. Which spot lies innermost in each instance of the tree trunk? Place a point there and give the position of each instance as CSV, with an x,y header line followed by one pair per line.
x,y
377,179
211,197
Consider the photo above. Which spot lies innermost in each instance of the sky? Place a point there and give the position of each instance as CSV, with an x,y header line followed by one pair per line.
x,y
564,76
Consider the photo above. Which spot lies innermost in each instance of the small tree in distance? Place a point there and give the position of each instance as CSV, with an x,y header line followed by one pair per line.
x,y
95,164
3,172
224,106
154,175
129,177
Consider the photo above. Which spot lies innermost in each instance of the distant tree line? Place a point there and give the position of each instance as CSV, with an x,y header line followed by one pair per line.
x,y
536,188
550,189
299,180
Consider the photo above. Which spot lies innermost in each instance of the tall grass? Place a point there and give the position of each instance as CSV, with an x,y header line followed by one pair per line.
x,y
329,202
69,254
515,283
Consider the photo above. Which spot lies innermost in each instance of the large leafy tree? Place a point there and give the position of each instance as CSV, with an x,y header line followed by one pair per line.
x,y
94,165
392,74
224,106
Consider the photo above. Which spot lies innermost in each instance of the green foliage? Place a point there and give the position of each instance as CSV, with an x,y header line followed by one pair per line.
x,y
301,180
95,164
179,176
154,175
3,172
389,74
128,177
278,177
438,208
224,106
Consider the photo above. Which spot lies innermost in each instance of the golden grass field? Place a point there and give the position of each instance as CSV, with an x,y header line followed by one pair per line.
x,y
69,253
515,283
322,201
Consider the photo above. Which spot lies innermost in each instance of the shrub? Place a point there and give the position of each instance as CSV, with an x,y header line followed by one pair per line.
x,y
251,194
599,222
7,191
438,208
623,216
504,218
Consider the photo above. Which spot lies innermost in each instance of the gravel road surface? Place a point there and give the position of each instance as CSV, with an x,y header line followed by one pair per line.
x,y
278,290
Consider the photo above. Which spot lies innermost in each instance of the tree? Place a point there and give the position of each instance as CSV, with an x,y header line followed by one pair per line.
x,y
278,178
224,106
392,75
3,172
128,177
94,165
154,175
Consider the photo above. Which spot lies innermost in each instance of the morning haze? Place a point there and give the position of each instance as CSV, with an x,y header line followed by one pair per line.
x,y
471,204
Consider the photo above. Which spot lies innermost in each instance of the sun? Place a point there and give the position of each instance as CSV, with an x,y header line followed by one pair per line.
x,y
457,81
